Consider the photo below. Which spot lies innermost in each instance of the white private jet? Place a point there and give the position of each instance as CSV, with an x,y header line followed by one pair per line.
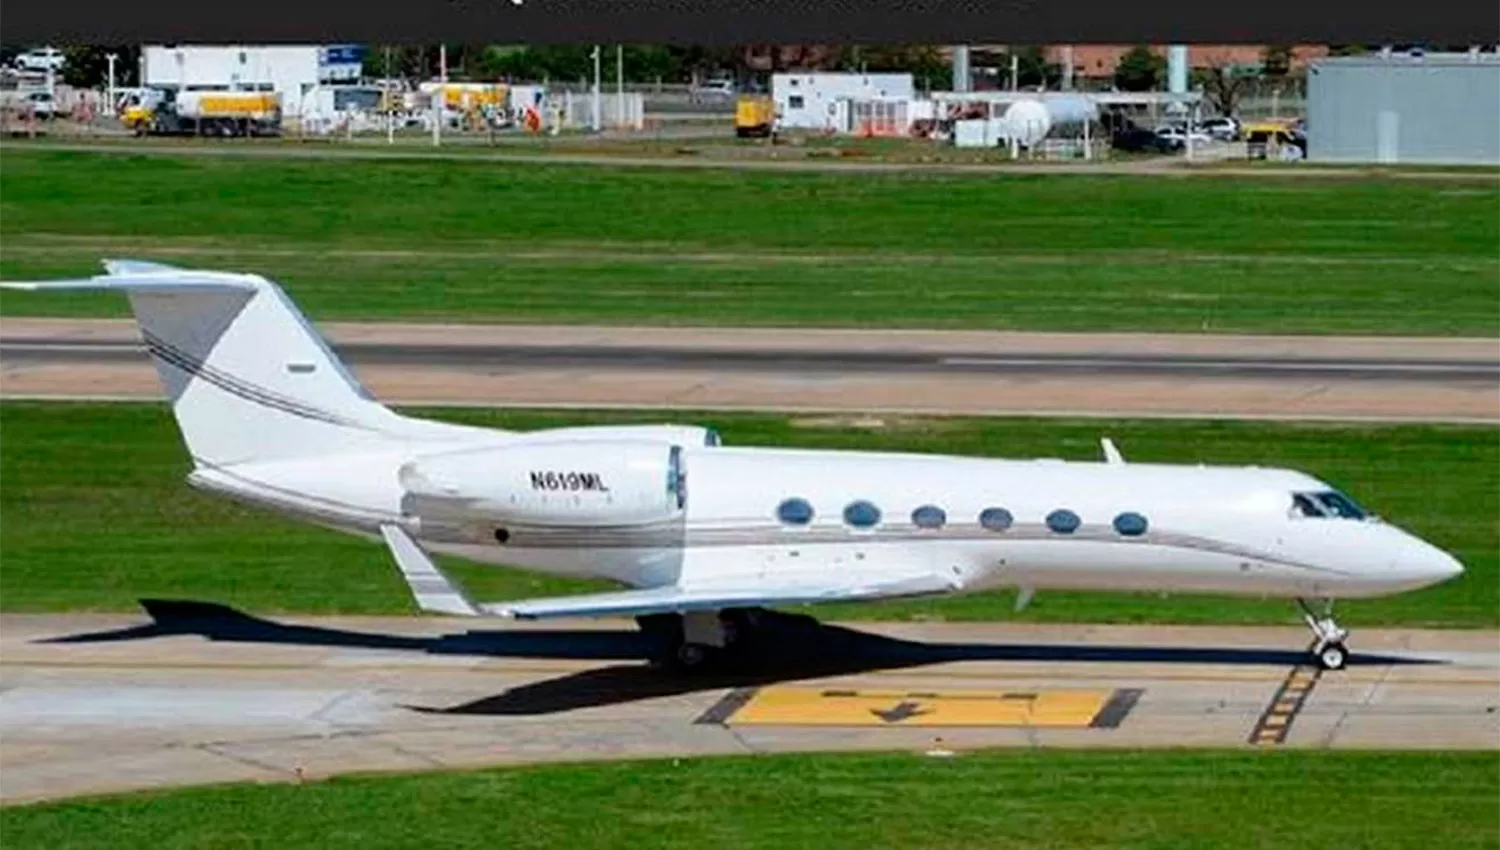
x,y
272,418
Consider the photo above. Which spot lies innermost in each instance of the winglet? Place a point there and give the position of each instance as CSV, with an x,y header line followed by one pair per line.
x,y
432,590
1112,454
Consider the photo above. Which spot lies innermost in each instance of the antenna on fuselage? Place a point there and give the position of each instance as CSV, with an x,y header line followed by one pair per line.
x,y
1112,454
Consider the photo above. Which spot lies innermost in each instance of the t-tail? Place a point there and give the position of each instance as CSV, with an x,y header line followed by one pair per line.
x,y
247,376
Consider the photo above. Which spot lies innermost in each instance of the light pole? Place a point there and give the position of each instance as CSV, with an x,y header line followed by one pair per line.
x,y
111,58
390,105
619,85
596,117
440,97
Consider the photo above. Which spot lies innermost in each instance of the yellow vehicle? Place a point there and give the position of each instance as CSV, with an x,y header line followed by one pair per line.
x,y
754,116
1275,140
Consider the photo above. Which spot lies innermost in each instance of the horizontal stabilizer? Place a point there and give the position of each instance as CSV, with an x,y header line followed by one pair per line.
x,y
168,281
137,267
674,599
432,590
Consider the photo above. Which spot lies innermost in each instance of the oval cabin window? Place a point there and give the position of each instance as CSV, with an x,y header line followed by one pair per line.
x,y
929,516
795,512
996,519
861,514
1130,524
1063,521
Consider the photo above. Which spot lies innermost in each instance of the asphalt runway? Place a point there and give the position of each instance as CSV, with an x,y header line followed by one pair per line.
x,y
196,693
853,370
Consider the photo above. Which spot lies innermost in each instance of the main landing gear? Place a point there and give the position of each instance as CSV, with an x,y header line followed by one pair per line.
x,y
1328,645
696,640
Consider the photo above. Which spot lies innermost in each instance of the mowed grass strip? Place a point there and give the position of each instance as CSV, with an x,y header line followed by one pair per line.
x,y
1052,799
94,514
476,241
618,284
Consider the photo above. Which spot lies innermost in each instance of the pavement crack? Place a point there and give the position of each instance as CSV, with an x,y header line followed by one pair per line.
x,y
1361,707
215,749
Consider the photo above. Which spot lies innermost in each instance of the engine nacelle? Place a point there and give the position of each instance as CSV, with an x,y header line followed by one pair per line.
x,y
586,483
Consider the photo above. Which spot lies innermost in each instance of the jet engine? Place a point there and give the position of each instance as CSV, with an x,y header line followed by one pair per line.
x,y
569,483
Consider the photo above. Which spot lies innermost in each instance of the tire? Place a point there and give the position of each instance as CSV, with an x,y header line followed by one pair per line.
x,y
1333,656
692,657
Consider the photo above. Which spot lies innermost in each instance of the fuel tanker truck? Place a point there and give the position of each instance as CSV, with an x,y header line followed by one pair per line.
x,y
167,112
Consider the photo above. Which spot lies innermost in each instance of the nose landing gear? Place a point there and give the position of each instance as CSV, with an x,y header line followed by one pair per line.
x,y
1328,646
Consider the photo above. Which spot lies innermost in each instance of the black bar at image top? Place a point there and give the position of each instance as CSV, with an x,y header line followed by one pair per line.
x,y
743,22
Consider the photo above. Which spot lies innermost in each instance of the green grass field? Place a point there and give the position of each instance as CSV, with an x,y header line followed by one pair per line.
x,y
1048,800
486,241
94,513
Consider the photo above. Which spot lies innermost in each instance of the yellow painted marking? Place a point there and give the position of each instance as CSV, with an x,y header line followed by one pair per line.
x,y
806,706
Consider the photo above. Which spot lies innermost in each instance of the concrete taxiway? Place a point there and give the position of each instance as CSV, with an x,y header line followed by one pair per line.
x,y
196,693
973,372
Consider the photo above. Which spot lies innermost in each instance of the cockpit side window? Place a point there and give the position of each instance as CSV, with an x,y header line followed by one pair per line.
x,y
1339,505
1329,504
1304,505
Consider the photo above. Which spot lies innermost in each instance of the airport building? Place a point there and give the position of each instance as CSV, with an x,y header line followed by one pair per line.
x,y
820,101
1437,108
293,71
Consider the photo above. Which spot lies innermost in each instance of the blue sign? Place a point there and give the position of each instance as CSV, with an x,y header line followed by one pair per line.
x,y
343,54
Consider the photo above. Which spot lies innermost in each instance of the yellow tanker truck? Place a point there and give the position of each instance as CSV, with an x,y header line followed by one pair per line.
x,y
166,112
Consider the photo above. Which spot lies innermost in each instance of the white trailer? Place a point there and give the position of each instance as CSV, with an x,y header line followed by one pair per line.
x,y
812,101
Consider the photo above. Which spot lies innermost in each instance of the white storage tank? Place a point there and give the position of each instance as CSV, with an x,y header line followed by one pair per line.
x,y
1071,110
1027,122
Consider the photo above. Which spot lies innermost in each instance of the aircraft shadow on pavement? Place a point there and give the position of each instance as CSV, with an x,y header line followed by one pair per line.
x,y
786,647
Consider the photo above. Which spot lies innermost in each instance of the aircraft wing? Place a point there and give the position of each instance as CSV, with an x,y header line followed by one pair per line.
x,y
435,593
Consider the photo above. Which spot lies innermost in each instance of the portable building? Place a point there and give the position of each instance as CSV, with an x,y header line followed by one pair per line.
x,y
818,101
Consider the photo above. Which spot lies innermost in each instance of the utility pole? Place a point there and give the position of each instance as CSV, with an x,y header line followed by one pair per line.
x,y
619,85
440,97
111,58
1015,69
390,104
597,119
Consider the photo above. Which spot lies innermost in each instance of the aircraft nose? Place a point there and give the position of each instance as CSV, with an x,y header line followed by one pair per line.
x,y
1425,562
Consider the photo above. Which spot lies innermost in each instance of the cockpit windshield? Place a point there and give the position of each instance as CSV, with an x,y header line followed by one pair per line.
x,y
1328,504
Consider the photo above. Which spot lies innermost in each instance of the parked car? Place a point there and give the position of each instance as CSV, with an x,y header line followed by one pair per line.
x,y
41,104
1140,140
40,60
715,89
1275,140
1179,135
1224,129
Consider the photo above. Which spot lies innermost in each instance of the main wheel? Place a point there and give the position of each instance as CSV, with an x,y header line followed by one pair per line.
x,y
692,656
1333,656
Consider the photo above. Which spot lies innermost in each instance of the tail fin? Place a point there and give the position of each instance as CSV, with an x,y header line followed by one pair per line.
x,y
248,377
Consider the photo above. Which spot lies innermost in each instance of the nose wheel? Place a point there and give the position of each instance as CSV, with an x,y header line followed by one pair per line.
x,y
1328,636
